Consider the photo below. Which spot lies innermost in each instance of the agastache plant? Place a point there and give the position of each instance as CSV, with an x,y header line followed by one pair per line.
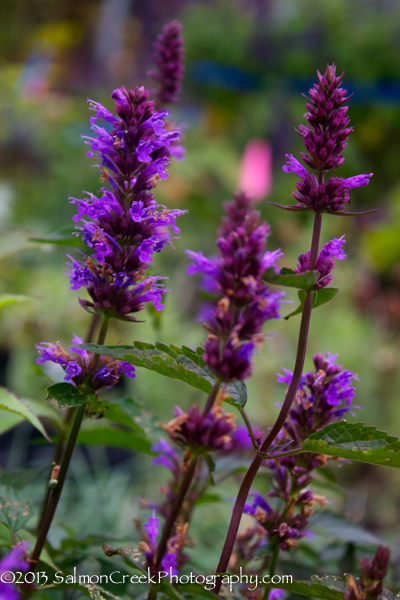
x,y
122,226
325,138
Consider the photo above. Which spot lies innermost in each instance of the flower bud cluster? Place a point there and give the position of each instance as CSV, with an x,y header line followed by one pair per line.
x,y
373,572
201,433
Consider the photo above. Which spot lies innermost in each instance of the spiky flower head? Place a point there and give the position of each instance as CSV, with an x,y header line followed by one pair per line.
x,y
243,302
168,57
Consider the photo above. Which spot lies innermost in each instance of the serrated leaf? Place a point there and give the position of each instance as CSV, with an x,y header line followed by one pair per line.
x,y
6,299
10,403
62,237
288,278
14,513
319,297
354,441
107,436
184,364
66,394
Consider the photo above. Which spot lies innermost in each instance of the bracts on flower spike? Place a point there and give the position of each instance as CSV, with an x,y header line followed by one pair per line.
x,y
168,57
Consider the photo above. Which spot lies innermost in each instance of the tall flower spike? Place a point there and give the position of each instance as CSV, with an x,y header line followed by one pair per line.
x,y
325,139
168,57
125,226
243,302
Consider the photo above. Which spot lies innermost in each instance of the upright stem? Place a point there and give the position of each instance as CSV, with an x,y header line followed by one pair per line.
x,y
290,395
180,497
176,507
63,430
55,493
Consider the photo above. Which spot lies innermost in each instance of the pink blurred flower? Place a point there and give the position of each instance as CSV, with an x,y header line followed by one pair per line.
x,y
255,178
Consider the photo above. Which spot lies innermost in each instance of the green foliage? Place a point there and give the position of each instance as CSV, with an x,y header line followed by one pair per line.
x,y
62,237
179,363
66,394
14,513
10,403
354,441
107,436
6,299
319,297
288,278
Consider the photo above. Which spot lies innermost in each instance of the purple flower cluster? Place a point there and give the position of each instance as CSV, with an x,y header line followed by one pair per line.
x,y
124,226
243,301
373,572
324,396
149,548
201,433
81,369
324,263
12,562
324,140
168,57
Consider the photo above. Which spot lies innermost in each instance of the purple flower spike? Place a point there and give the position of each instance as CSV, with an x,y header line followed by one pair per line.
x,y
124,227
325,261
168,57
243,301
325,139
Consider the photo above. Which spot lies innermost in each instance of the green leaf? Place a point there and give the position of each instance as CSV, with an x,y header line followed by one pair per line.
x,y
319,297
107,436
14,513
62,237
339,528
10,403
178,363
354,441
115,413
9,420
288,278
6,299
66,394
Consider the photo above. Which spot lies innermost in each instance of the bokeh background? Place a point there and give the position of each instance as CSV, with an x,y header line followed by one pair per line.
x,y
247,64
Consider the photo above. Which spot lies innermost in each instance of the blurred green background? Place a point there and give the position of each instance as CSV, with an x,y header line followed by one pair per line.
x,y
247,64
